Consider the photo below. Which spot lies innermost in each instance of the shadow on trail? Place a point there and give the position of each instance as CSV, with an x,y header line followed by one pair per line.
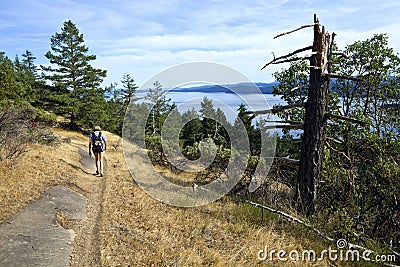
x,y
88,165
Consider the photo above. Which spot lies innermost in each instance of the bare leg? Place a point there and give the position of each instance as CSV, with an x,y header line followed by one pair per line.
x,y
96,157
101,163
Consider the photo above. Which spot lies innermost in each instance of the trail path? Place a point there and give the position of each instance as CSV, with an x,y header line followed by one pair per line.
x,y
87,244
62,228
33,237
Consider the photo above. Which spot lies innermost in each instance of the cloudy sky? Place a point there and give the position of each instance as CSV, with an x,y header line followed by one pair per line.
x,y
143,38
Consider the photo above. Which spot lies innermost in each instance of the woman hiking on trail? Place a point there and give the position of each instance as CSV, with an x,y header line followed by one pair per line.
x,y
97,144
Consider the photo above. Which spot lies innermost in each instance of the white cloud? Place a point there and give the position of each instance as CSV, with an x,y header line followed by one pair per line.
x,y
144,37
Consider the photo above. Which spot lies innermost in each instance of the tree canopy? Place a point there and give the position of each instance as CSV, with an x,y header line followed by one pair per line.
x,y
71,71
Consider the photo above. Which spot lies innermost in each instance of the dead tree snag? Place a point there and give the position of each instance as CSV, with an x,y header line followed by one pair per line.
x,y
314,136
316,114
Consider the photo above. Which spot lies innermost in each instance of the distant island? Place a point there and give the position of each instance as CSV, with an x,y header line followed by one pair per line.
x,y
239,88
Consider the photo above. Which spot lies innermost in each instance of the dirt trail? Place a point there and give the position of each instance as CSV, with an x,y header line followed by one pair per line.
x,y
87,243
63,227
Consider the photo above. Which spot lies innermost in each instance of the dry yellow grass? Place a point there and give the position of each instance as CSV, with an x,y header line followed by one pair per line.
x,y
37,170
137,230
140,231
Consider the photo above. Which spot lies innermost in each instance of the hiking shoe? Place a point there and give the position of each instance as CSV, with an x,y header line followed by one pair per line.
x,y
101,174
97,172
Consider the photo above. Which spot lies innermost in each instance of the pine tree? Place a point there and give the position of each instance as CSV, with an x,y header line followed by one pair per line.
x,y
11,89
252,132
221,135
192,130
27,74
94,109
208,114
129,89
28,61
71,69
159,106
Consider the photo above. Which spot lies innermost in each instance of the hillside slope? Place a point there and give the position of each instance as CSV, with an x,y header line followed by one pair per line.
x,y
127,227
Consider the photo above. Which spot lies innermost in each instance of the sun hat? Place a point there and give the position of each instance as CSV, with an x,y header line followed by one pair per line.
x,y
96,128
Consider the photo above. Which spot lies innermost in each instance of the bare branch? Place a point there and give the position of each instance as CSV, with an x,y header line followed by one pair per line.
x,y
330,51
285,121
289,160
285,61
299,87
284,126
317,231
299,28
334,140
290,217
250,118
331,62
337,151
276,60
338,76
331,44
391,250
339,53
277,109
334,116
294,52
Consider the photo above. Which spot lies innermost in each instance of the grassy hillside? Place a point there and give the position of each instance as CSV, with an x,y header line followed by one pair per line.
x,y
137,230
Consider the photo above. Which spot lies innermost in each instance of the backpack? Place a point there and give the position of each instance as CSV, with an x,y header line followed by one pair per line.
x,y
97,143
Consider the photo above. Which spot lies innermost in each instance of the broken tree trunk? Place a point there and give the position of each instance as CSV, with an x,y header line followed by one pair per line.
x,y
314,136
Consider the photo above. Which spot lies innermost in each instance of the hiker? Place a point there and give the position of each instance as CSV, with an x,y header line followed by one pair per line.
x,y
97,144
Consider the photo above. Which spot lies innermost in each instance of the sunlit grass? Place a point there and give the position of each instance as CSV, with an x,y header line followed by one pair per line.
x,y
137,230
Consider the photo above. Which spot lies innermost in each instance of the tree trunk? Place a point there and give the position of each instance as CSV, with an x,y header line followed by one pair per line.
x,y
313,140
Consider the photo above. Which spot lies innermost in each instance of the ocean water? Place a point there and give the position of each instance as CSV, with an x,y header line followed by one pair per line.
x,y
227,102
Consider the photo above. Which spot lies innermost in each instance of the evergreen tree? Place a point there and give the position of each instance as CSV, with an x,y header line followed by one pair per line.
x,y
28,60
93,109
118,101
214,122
27,74
244,118
134,120
159,107
129,89
71,69
252,133
115,108
11,89
208,114
192,130
170,134
221,135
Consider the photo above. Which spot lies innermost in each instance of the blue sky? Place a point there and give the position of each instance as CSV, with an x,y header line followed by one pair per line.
x,y
144,37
